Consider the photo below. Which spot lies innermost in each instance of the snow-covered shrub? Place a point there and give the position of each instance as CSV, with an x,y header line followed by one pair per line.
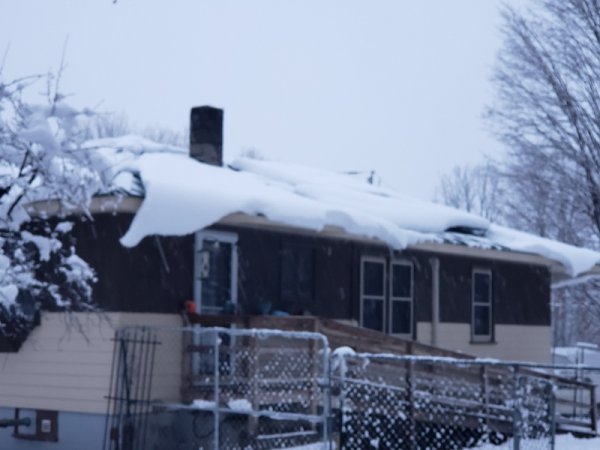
x,y
41,160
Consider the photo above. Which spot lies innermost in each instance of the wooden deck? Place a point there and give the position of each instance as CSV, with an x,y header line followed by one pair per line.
x,y
575,409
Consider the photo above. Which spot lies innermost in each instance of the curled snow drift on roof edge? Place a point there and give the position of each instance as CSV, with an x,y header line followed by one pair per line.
x,y
183,195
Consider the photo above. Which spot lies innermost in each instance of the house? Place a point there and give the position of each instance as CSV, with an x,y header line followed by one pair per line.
x,y
267,238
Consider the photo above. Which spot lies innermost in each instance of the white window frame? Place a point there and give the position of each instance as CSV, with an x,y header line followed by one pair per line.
x,y
219,236
399,262
377,260
482,337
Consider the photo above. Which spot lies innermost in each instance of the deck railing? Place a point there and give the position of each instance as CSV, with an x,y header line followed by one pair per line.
x,y
264,381
576,407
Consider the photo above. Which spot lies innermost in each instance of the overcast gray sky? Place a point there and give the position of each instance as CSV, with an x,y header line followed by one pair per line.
x,y
397,86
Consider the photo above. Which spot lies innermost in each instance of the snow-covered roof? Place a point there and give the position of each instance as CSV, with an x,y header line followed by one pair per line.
x,y
182,195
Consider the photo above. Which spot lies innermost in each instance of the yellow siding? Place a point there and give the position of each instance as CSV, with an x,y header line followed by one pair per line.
x,y
166,379
65,363
513,342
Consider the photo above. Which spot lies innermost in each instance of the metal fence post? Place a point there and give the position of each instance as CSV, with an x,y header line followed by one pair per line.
x,y
327,417
341,380
486,398
516,410
411,403
594,411
216,378
552,401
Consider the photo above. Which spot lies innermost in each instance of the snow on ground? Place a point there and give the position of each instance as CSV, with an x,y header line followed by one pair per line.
x,y
309,447
182,195
563,442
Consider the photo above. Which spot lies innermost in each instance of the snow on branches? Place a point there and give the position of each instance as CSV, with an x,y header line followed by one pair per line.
x,y
41,159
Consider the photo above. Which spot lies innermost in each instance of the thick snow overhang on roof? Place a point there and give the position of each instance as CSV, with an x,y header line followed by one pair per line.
x,y
182,195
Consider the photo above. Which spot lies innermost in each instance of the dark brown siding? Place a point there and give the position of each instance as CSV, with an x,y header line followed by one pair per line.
x,y
260,272
144,278
137,279
335,271
521,292
423,287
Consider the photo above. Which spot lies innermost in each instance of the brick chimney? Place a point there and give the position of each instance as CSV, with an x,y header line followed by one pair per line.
x,y
206,135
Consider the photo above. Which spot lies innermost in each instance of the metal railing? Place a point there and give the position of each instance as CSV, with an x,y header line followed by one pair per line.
x,y
231,388
217,388
417,402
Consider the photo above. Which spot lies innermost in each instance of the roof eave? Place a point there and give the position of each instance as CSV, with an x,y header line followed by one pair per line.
x,y
557,269
112,204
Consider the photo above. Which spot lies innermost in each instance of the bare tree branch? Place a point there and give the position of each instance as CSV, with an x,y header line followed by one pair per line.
x,y
547,113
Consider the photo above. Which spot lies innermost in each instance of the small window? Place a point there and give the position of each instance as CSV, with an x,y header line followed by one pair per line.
x,y
401,299
216,287
297,278
481,319
402,280
215,272
373,293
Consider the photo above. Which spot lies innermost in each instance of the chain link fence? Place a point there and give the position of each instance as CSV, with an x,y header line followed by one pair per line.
x,y
405,402
576,404
216,388
202,388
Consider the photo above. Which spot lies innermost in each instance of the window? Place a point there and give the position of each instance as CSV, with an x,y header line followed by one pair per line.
x,y
401,298
215,272
372,302
481,318
297,278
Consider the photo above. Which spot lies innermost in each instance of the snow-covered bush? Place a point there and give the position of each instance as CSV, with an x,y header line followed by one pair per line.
x,y
41,160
